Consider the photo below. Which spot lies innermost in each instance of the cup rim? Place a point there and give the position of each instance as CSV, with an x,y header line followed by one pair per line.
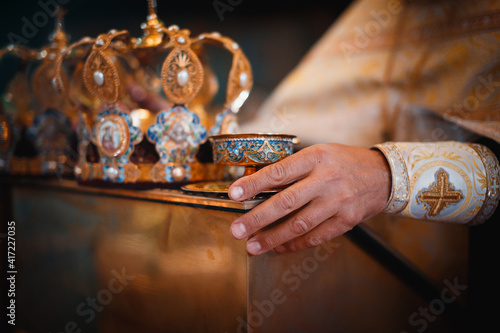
x,y
251,135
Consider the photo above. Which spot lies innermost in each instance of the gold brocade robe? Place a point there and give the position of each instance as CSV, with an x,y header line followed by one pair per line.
x,y
401,71
395,70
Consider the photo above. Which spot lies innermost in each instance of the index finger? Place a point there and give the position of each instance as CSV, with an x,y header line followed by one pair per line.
x,y
284,172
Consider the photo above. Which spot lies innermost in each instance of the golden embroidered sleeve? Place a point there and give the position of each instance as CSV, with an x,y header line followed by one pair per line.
x,y
442,181
395,70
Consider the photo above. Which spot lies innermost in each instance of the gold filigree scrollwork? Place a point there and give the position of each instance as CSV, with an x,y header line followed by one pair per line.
x,y
58,80
240,79
24,53
100,75
182,71
45,91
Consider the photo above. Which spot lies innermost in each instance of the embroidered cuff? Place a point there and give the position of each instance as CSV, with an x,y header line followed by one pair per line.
x,y
442,181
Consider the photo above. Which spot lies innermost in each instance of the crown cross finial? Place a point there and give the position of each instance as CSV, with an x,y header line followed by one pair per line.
x,y
60,12
152,8
152,33
59,36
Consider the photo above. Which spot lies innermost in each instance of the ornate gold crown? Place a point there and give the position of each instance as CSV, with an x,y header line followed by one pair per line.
x,y
123,142
35,120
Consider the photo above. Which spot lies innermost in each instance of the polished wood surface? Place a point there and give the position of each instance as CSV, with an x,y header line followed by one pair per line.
x,y
116,260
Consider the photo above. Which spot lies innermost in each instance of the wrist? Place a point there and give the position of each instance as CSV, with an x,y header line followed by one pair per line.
x,y
383,181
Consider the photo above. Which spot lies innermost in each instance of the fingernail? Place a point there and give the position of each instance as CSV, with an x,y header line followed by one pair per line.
x,y
236,192
253,247
280,249
238,230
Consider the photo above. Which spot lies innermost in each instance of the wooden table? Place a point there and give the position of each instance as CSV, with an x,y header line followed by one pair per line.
x,y
118,260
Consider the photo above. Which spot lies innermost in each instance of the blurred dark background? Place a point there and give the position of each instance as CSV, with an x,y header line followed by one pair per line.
x,y
274,35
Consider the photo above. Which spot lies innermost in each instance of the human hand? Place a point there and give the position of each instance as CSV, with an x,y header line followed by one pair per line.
x,y
332,188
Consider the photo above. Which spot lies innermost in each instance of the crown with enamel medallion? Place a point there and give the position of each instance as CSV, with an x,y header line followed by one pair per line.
x,y
161,145
36,121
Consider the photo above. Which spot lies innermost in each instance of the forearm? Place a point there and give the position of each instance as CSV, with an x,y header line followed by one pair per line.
x,y
442,181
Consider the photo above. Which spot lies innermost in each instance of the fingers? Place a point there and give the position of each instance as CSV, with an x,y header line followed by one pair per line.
x,y
273,209
329,229
333,188
302,222
275,175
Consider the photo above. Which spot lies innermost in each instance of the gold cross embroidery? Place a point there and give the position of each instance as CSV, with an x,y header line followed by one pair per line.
x,y
440,195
